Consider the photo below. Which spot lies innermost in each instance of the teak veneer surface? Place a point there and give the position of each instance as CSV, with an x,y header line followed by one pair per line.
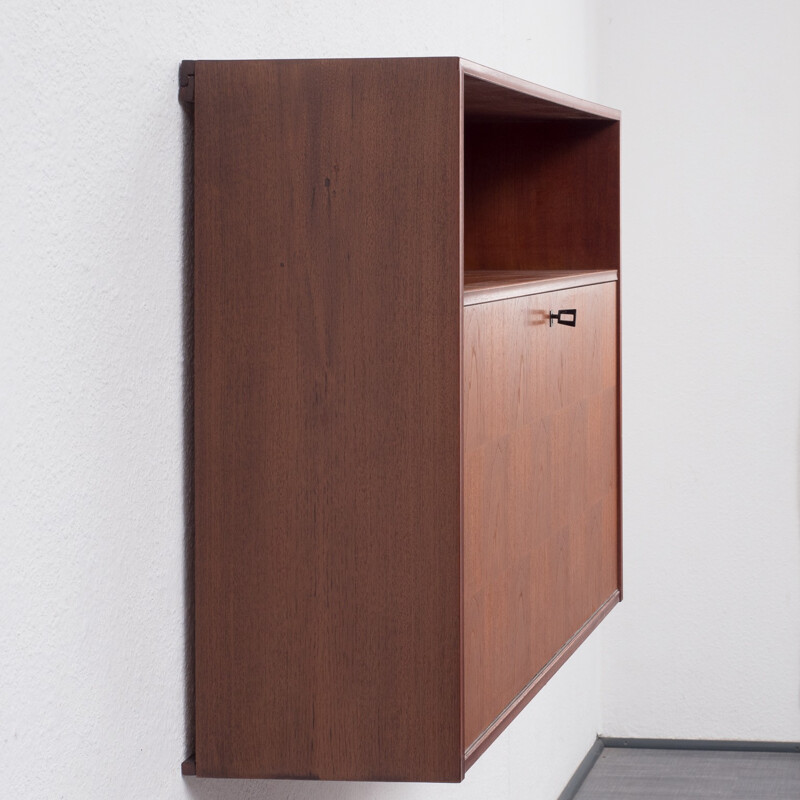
x,y
327,423
406,483
540,486
541,195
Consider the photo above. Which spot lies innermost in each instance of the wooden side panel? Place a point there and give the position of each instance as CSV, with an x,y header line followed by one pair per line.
x,y
327,416
541,195
540,487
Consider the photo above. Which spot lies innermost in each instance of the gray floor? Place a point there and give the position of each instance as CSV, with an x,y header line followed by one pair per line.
x,y
633,774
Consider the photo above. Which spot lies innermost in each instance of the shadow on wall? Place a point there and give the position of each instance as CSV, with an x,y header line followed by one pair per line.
x,y
223,789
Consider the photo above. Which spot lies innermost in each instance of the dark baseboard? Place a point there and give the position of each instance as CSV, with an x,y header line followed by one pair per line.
x,y
702,744
584,768
602,742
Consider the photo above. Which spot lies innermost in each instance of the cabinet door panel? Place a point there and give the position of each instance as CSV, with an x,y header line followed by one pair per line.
x,y
540,477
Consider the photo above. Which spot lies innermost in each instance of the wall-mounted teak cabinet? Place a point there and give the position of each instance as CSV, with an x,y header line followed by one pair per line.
x,y
406,473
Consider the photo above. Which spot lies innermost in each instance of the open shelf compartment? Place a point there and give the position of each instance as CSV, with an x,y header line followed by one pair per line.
x,y
541,182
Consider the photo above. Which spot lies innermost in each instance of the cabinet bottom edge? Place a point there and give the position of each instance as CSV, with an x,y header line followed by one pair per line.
x,y
479,746
455,775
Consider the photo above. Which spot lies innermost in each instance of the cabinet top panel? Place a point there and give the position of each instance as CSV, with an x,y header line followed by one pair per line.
x,y
489,93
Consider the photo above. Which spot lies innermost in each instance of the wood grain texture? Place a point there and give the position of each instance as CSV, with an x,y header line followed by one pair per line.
x,y
512,710
488,286
327,419
353,621
540,484
541,195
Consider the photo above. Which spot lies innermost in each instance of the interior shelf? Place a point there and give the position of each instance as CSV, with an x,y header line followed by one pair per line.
x,y
486,286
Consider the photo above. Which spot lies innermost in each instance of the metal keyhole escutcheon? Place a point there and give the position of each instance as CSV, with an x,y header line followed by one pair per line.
x,y
566,316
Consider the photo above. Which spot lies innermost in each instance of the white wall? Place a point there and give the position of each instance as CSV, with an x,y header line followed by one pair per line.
x,y
92,517
92,603
707,641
